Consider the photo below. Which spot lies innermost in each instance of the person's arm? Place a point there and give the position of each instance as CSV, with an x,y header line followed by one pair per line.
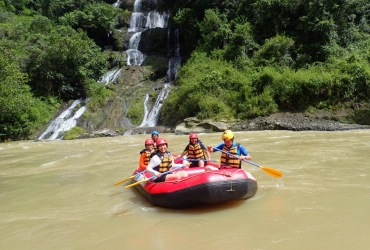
x,y
185,152
219,147
142,161
155,161
184,163
243,153
208,155
205,151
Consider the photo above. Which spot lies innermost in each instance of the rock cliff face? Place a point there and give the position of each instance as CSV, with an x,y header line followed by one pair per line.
x,y
128,93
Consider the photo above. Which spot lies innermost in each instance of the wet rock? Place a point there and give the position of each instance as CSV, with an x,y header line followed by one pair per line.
x,y
192,124
277,121
295,122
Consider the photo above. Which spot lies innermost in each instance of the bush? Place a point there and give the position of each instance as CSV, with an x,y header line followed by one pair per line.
x,y
73,133
98,95
136,111
21,114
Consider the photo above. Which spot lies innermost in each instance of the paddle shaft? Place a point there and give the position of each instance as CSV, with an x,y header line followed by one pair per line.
x,y
187,159
126,179
273,172
153,177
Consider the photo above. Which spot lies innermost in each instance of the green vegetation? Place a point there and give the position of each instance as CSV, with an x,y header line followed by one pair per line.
x,y
20,112
136,111
253,58
98,95
244,58
49,54
73,133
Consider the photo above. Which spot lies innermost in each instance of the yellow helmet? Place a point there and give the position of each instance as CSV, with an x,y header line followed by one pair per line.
x,y
227,135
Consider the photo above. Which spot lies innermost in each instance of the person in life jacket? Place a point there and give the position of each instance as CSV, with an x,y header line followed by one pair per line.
x,y
146,153
233,153
162,161
195,152
155,136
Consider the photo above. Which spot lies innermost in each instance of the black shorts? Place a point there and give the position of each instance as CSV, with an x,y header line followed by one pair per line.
x,y
162,178
195,163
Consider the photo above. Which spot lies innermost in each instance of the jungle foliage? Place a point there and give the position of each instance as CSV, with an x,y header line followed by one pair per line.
x,y
255,57
242,58
51,51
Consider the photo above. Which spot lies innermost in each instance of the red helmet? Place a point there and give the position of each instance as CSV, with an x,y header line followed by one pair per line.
x,y
193,136
161,141
149,142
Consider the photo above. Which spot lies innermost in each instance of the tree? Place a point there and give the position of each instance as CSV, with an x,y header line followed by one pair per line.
x,y
63,62
20,112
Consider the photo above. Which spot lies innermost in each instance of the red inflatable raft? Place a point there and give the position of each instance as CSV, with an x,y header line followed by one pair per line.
x,y
200,187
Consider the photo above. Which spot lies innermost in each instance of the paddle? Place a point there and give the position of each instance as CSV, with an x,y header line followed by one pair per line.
x,y
152,178
187,159
128,178
273,172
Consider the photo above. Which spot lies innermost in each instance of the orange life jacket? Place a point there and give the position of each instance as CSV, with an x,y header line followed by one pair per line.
x,y
166,163
228,160
147,155
195,151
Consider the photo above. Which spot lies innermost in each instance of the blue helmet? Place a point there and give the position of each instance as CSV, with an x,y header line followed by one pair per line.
x,y
155,132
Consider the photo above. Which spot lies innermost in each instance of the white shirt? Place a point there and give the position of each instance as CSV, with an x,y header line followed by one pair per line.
x,y
155,161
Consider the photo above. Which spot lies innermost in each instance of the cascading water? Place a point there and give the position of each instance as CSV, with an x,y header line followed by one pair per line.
x,y
138,23
64,122
69,117
151,116
174,49
111,76
134,57
117,3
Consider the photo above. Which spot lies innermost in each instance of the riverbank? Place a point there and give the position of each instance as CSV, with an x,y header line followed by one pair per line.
x,y
278,121
297,122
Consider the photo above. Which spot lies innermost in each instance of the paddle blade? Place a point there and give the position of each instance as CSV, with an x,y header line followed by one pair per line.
x,y
273,172
136,183
122,181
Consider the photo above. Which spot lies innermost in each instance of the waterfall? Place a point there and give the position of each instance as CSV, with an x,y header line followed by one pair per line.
x,y
117,4
151,117
156,20
68,118
173,49
111,76
139,22
134,56
64,122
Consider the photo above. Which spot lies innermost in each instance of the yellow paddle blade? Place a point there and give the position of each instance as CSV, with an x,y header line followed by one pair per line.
x,y
122,181
273,172
136,183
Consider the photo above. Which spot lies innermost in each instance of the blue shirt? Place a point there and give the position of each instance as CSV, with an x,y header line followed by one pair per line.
x,y
241,149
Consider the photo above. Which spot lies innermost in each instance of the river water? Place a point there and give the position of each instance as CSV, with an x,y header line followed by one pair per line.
x,y
60,195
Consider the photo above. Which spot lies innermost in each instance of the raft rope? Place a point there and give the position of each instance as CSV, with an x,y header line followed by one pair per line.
x,y
228,174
